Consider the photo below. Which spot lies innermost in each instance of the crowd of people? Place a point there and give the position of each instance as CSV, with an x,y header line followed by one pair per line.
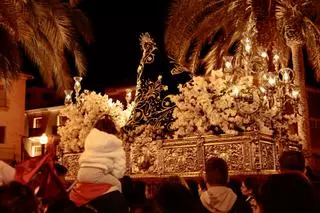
x,y
101,188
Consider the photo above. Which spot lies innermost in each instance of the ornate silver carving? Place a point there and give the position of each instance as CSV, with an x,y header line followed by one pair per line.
x,y
71,162
249,153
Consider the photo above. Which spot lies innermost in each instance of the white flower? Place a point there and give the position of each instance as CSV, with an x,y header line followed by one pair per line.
x,y
81,118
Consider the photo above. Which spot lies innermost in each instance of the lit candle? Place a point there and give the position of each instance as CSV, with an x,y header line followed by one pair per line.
x,y
227,63
247,47
276,57
262,89
235,92
295,93
285,77
264,54
272,81
68,97
247,40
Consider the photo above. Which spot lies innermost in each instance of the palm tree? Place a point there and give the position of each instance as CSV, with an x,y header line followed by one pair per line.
x,y
46,30
200,32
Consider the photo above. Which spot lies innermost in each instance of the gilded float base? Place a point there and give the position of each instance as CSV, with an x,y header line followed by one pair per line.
x,y
250,153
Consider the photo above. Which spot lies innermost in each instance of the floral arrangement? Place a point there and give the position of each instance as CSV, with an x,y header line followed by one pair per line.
x,y
210,105
82,115
207,105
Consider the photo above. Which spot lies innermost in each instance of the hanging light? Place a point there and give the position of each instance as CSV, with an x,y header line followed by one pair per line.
x,y
286,75
227,63
43,139
235,92
68,97
269,80
294,93
77,85
263,53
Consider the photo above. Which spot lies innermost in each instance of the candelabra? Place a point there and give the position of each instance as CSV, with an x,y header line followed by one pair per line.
x,y
271,97
77,89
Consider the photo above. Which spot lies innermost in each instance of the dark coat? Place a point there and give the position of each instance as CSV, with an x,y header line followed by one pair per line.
x,y
112,202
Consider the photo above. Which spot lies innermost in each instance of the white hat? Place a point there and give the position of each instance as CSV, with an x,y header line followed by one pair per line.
x,y
105,151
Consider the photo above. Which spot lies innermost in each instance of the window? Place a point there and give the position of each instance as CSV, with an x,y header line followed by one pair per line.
x,y
2,134
36,150
61,120
37,122
3,96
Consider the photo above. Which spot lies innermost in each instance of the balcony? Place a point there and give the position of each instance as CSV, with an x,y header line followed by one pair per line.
x,y
35,132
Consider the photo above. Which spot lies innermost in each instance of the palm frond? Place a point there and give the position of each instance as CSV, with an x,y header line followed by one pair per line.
x,y
211,31
80,60
46,29
9,60
82,25
62,73
74,3
8,17
42,58
312,33
184,17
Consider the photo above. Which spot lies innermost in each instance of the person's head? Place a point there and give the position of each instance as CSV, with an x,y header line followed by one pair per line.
x,y
174,197
61,173
193,187
216,171
139,192
310,174
287,192
66,206
17,198
292,161
106,124
103,149
249,186
178,179
235,185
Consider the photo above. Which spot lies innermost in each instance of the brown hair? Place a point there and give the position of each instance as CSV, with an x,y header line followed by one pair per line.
x,y
216,171
292,161
106,124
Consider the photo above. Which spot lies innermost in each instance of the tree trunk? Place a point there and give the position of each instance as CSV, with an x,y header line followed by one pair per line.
x,y
299,71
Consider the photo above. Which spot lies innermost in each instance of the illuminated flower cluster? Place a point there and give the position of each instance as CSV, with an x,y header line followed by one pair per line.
x,y
81,117
208,105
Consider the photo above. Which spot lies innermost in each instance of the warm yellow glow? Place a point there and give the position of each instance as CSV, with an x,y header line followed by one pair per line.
x,y
286,77
272,81
228,65
262,89
295,93
264,54
235,92
276,57
247,47
43,139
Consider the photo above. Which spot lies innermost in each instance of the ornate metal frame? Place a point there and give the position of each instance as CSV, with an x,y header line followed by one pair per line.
x,y
250,153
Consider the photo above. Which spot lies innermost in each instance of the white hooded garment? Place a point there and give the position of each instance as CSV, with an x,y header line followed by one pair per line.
x,y
7,173
104,151
218,199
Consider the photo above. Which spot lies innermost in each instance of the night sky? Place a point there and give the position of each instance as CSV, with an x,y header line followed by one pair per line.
x,y
114,56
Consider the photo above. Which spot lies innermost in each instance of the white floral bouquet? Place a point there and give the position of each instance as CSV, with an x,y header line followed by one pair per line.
x,y
82,116
208,104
